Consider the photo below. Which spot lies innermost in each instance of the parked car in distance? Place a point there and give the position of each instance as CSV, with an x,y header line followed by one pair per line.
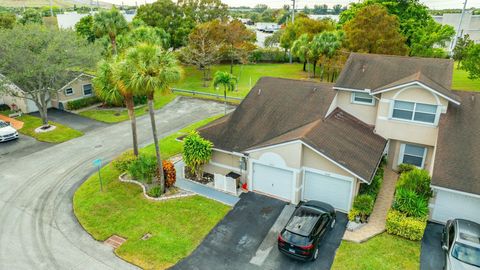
x,y
305,229
7,132
461,243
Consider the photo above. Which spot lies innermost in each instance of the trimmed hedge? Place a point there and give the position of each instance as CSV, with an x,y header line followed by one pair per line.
x,y
407,227
82,103
123,162
363,204
271,55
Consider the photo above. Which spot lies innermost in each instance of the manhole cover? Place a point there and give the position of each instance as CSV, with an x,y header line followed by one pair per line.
x,y
115,241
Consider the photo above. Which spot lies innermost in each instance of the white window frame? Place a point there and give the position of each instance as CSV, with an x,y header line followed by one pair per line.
x,y
67,94
402,153
372,103
83,89
435,121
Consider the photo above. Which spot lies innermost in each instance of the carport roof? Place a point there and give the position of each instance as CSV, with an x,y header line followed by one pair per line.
x,y
457,158
280,110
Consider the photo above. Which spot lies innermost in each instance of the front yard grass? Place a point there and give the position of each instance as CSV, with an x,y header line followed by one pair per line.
x,y
60,134
462,82
177,225
121,114
384,251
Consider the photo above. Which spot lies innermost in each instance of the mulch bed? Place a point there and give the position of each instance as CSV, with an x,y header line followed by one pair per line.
x,y
206,179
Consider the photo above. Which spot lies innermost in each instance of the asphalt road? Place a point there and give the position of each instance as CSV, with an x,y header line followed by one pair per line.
x,y
432,256
38,229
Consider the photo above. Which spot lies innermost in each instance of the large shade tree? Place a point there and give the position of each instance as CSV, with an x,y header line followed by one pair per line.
x,y
110,23
373,30
152,70
325,45
40,61
301,49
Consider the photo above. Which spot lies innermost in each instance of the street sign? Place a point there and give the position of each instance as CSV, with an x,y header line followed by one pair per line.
x,y
98,162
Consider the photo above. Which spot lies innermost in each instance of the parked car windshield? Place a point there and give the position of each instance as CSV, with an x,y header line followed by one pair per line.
x,y
294,238
3,124
303,221
466,254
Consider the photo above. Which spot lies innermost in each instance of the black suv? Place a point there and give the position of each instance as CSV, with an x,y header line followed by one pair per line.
x,y
303,232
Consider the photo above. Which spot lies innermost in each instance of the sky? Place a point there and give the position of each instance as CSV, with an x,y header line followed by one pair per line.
x,y
434,4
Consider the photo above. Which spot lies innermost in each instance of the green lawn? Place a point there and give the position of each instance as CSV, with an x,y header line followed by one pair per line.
x,y
60,134
121,114
177,226
247,76
462,82
384,251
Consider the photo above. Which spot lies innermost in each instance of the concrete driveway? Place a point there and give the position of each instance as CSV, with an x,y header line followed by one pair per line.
x,y
432,256
38,229
247,239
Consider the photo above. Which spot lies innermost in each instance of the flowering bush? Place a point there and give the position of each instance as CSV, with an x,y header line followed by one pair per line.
x,y
169,173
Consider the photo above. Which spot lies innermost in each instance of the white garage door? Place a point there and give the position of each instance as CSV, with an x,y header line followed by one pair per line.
x,y
450,205
332,190
273,181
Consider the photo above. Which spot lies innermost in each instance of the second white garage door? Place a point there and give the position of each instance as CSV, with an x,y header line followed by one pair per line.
x,y
449,205
273,181
329,189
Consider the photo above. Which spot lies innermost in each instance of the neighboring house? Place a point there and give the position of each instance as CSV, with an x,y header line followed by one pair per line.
x,y
300,140
68,20
470,24
77,86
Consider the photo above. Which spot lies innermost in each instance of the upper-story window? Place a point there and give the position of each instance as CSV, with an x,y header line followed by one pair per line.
x,y
87,89
362,98
69,91
416,112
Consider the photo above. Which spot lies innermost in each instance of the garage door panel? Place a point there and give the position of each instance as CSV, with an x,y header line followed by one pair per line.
x,y
334,191
449,205
273,181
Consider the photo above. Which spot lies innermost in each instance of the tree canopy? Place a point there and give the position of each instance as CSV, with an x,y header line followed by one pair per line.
x,y
110,23
373,30
31,16
304,25
84,28
471,62
7,20
41,61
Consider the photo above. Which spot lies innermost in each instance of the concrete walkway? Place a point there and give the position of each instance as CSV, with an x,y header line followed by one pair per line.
x,y
17,124
203,190
376,223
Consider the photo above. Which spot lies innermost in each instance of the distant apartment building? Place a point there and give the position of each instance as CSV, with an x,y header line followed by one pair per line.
x,y
470,24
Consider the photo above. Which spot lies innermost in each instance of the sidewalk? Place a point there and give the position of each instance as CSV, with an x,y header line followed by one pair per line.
x,y
17,124
377,221
202,189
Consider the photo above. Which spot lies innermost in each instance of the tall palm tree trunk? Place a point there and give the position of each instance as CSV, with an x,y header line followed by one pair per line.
x,y
155,140
133,122
225,98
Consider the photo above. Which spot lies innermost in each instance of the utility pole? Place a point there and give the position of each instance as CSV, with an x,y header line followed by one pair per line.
x,y
459,30
293,20
51,8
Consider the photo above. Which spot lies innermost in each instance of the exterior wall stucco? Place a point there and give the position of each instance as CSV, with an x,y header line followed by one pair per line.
x,y
77,86
395,129
366,113
394,155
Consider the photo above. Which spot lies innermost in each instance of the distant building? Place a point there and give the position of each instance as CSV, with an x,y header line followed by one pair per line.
x,y
470,24
69,19
324,16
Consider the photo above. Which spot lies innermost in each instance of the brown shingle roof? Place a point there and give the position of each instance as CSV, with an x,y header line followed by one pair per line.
x,y
288,110
372,71
457,158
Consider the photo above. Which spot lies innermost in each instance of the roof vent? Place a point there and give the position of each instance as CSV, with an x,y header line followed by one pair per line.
x,y
259,92
314,89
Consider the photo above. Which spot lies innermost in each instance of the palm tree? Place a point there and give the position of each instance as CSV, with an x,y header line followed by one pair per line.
x,y
152,70
326,44
300,48
227,80
110,85
110,23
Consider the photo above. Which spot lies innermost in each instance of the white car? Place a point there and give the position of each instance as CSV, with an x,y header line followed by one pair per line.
x,y
7,132
461,243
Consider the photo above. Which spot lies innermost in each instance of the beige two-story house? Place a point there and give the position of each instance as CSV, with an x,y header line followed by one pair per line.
x,y
298,140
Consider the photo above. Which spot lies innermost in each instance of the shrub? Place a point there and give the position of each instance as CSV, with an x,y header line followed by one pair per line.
x,y
364,205
407,227
376,183
144,168
140,100
403,168
122,162
272,55
417,180
155,192
410,203
82,103
169,173
196,152
4,107
353,213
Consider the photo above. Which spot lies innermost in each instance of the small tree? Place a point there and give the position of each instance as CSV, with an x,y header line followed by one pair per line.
x,y
324,44
110,23
227,80
31,16
7,20
471,63
197,151
461,49
301,48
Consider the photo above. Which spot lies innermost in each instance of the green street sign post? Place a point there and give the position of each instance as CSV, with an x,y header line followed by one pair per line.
x,y
98,162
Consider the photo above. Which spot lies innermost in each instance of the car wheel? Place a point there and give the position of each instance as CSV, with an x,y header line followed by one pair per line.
x,y
315,254
333,223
